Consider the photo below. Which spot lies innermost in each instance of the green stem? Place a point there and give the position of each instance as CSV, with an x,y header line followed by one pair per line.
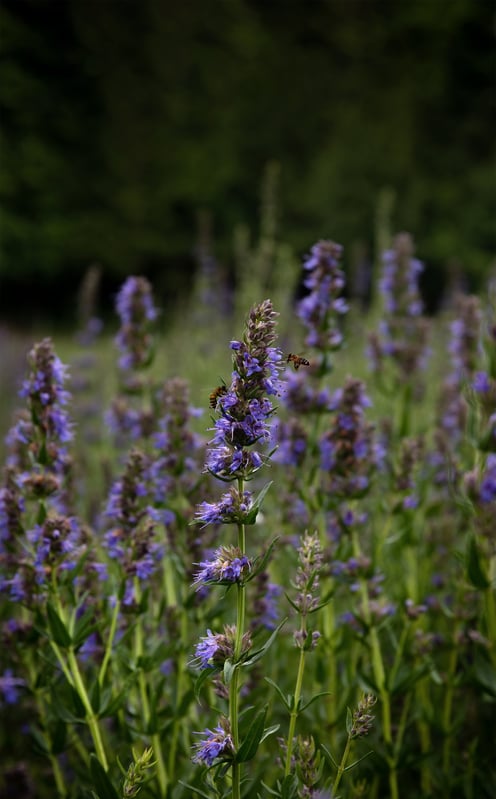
x,y
295,707
490,604
447,708
379,676
155,737
233,718
341,766
73,675
90,715
110,641
181,671
234,684
425,711
329,632
57,772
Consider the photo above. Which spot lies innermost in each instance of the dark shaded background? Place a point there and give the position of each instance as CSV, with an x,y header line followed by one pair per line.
x,y
122,120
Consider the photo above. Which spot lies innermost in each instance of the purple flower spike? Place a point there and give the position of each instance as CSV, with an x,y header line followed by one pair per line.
x,y
244,407
136,310
218,744
325,281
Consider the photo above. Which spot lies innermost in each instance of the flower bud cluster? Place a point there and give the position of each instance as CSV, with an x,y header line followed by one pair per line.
x,y
306,762
128,417
403,332
37,482
412,450
362,720
307,582
323,304
292,438
480,487
464,346
348,451
38,442
465,351
131,537
136,774
136,311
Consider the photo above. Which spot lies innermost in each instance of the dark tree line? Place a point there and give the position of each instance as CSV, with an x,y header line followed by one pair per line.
x,y
121,120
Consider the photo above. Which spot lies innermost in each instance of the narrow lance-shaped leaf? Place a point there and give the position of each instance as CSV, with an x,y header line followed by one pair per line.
x,y
57,628
248,748
101,781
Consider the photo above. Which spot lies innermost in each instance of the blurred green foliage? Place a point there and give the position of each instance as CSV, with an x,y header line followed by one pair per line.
x,y
121,120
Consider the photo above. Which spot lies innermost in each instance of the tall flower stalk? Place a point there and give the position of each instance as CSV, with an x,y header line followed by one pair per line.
x,y
305,603
403,332
242,425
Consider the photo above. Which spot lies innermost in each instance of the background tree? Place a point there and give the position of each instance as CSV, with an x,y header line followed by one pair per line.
x,y
120,120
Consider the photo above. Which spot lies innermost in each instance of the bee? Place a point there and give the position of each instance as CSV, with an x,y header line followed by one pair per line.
x,y
219,391
297,360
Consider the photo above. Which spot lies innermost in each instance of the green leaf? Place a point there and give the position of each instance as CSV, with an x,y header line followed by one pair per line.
x,y
57,628
59,738
356,762
485,674
406,677
109,706
67,704
289,787
40,740
85,625
229,669
196,790
312,700
269,731
251,517
261,652
203,676
475,571
101,781
329,756
248,748
260,563
286,700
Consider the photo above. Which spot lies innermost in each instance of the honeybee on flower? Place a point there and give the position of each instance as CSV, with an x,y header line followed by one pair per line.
x,y
218,392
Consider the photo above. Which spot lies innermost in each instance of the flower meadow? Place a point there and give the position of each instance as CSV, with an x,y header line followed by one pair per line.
x,y
287,592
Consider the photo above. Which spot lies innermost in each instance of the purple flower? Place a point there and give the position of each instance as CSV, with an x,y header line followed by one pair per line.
x,y
245,408
481,383
9,687
131,537
347,450
230,509
291,438
207,649
228,566
49,428
325,281
136,310
214,649
488,483
266,605
402,335
464,346
218,744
